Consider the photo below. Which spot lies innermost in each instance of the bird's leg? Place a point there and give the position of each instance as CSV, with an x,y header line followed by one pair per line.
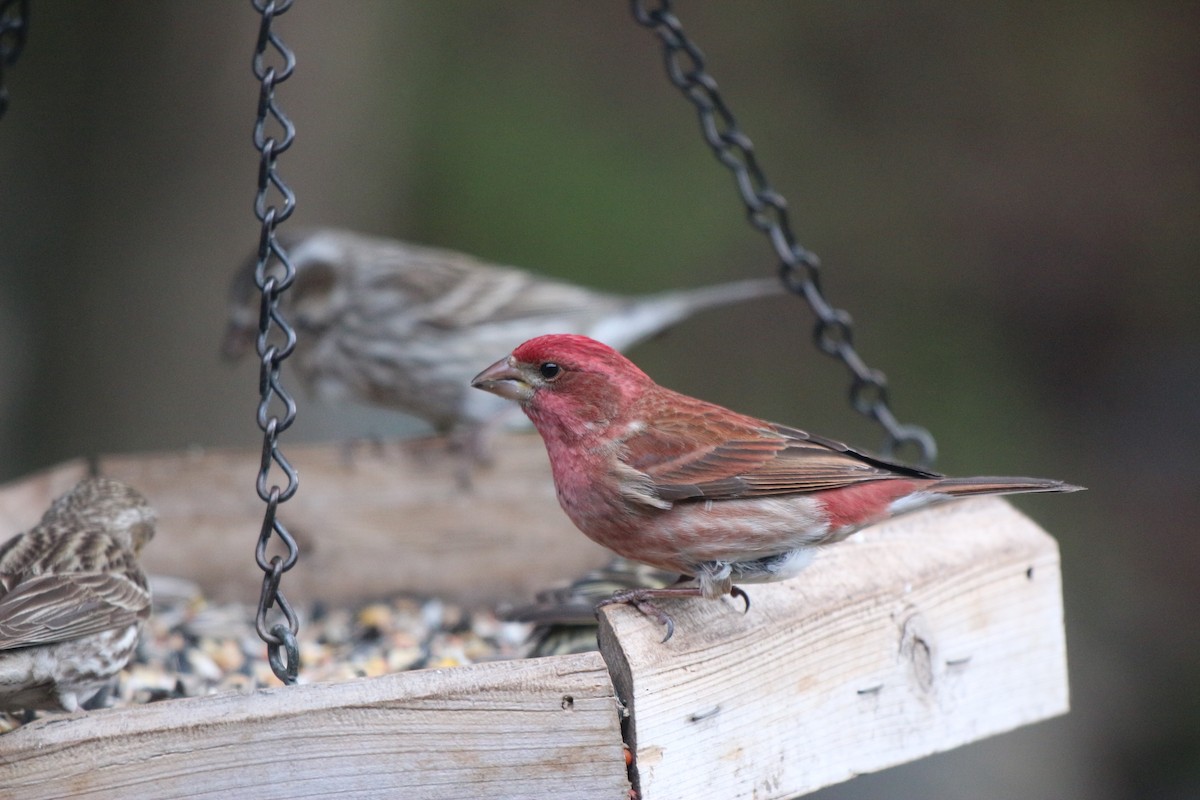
x,y
476,439
471,443
468,447
101,699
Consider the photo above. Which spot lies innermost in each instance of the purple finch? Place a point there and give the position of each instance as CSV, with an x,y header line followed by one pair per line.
x,y
693,488
72,597
403,326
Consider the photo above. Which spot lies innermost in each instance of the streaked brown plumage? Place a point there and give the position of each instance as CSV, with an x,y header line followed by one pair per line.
x,y
406,327
565,617
73,597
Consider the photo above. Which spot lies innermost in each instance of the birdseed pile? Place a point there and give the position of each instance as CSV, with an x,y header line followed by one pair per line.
x,y
190,647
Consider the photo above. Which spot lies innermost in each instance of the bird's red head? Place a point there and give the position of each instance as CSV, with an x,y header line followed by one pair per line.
x,y
566,381
579,352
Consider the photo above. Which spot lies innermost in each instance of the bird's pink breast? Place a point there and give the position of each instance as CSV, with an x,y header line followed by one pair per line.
x,y
692,533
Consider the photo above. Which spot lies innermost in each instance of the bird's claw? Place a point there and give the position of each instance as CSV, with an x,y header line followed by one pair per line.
x,y
737,591
663,618
640,599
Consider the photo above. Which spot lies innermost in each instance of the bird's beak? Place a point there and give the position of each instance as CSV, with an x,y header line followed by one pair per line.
x,y
504,379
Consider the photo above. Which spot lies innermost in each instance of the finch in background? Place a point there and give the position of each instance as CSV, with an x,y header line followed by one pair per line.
x,y
72,597
693,488
565,618
402,326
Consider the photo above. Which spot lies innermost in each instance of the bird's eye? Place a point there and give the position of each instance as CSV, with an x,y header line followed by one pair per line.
x,y
549,370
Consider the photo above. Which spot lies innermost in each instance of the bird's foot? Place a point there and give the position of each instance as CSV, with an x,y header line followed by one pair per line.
x,y
471,448
641,600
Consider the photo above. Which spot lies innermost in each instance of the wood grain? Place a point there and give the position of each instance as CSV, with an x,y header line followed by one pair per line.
x,y
516,729
914,637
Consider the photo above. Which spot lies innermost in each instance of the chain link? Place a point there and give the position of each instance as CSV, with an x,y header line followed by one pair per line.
x,y
766,209
14,26
274,273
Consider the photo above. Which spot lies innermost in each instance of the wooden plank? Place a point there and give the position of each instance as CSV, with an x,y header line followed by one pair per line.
x,y
917,636
914,637
517,729
371,519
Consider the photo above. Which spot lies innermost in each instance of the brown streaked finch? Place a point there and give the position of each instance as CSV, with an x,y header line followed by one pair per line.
x,y
692,488
73,597
405,327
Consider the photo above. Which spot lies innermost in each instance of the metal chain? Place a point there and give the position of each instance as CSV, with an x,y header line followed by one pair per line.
x,y
14,25
274,273
767,211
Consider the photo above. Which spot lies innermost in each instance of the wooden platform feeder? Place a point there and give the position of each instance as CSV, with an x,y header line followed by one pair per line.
x,y
911,638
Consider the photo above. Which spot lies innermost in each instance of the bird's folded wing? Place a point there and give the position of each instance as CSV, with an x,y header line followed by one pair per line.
x,y
453,291
59,607
730,460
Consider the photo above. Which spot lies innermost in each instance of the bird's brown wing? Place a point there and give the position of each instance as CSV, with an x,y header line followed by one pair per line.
x,y
698,451
450,290
58,607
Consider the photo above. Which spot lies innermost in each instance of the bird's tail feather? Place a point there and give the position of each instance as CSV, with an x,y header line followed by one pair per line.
x,y
646,316
963,487
724,293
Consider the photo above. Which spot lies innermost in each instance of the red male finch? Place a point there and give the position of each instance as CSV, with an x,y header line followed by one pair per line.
x,y
405,327
693,488
72,597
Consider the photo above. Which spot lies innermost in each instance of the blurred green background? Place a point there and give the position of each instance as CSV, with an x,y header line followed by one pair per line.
x,y
1005,196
